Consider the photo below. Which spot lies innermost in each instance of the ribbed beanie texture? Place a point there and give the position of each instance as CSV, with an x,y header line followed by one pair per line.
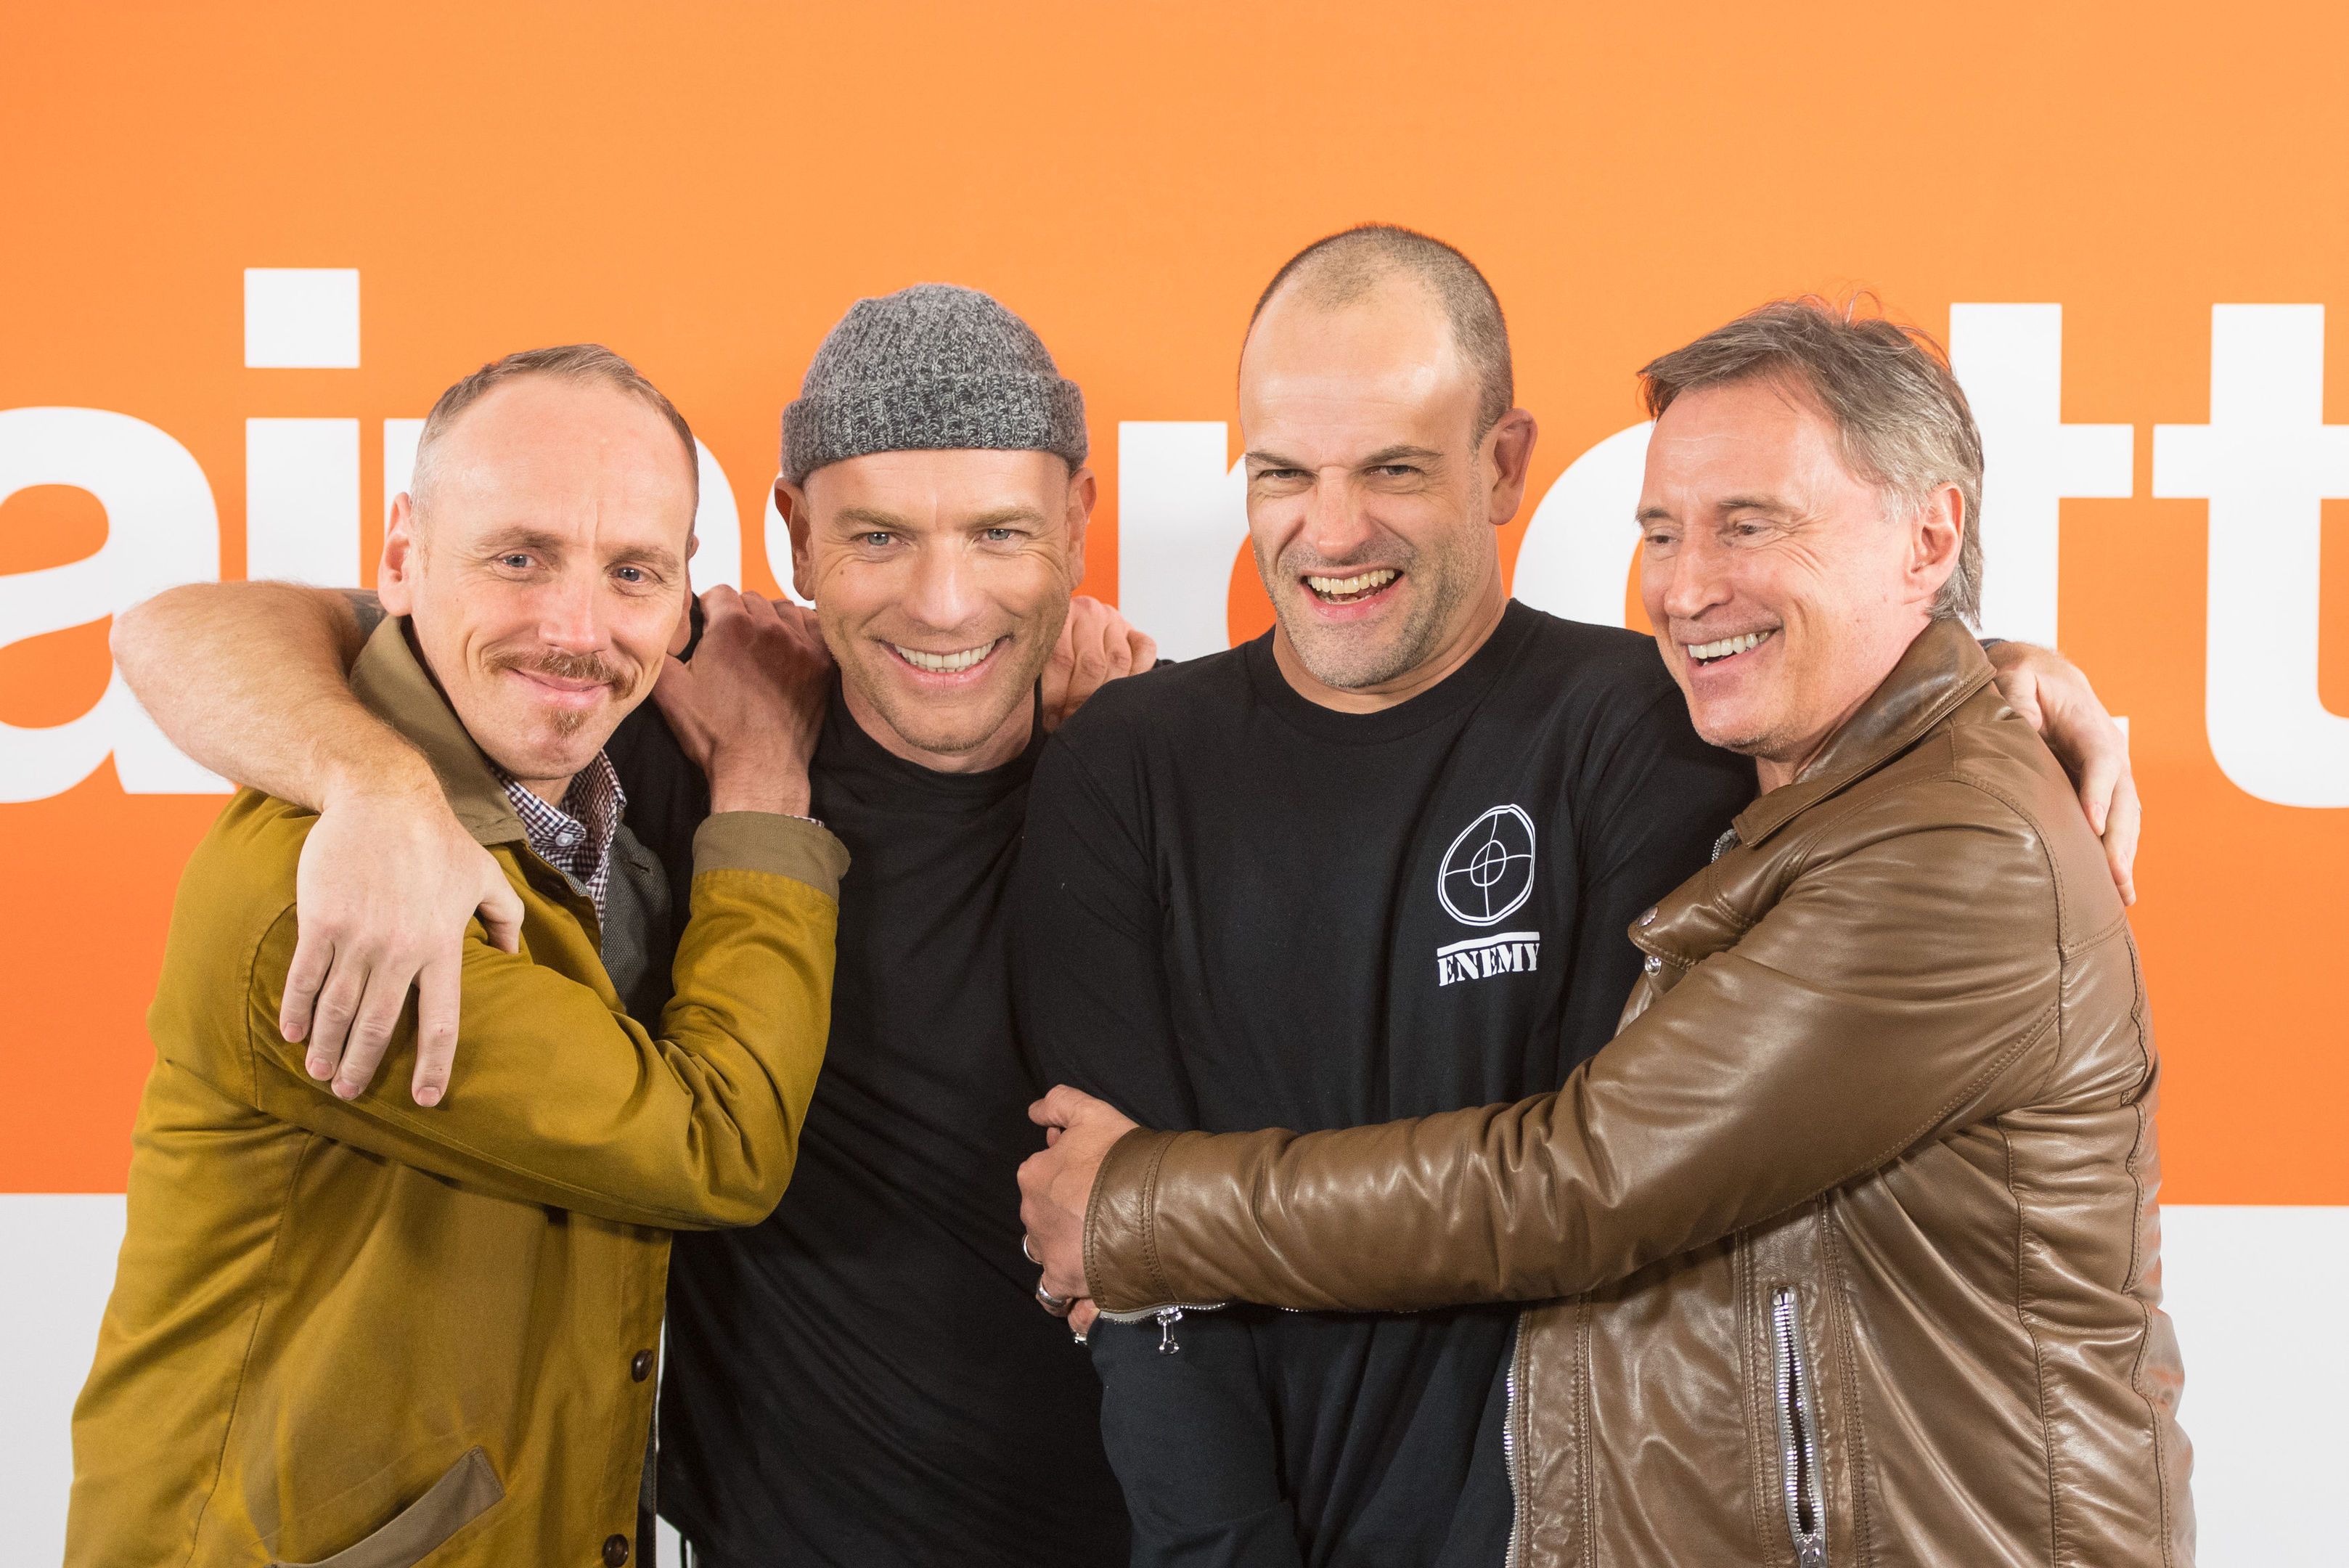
x,y
931,368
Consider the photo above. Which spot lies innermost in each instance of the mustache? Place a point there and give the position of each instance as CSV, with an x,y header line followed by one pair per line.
x,y
564,666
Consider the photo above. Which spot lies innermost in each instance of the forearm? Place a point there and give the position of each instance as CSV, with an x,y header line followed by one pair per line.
x,y
560,1100
251,681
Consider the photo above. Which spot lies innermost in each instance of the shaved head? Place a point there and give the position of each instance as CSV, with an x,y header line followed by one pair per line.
x,y
1334,273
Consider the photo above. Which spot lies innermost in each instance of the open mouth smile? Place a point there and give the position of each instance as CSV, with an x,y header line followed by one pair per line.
x,y
1351,590
947,663
1707,654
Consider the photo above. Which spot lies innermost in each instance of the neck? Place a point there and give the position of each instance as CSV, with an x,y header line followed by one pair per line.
x,y
1475,629
550,791
1007,741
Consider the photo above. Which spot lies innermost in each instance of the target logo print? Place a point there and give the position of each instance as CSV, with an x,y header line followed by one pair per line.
x,y
1488,872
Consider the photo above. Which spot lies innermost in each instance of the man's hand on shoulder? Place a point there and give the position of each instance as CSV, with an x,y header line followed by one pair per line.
x,y
387,882
749,708
1097,645
2052,694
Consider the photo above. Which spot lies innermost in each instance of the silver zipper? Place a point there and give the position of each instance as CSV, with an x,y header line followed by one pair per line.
x,y
1509,1458
1798,1442
1167,1317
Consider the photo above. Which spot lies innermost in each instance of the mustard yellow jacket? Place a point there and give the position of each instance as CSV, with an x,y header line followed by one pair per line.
x,y
373,1335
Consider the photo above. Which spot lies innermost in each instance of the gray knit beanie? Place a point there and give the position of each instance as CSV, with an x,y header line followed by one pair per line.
x,y
929,367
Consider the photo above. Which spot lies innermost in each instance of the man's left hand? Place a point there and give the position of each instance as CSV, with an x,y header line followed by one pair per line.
x,y
1096,647
2049,691
1056,1184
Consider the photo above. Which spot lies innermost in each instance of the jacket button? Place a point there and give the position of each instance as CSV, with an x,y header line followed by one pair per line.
x,y
1654,963
641,1367
615,1549
1650,918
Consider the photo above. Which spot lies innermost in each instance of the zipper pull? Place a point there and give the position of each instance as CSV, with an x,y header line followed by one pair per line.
x,y
1168,1318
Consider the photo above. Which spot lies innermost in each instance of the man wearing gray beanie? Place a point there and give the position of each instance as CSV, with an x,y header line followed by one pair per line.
x,y
864,1376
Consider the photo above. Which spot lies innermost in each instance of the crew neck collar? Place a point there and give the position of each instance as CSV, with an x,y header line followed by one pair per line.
x,y
1457,691
850,748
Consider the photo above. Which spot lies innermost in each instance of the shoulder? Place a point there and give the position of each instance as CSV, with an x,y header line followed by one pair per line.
x,y
1160,702
236,898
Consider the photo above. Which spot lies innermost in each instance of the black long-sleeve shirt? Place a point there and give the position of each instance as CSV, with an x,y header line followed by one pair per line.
x,y
1236,909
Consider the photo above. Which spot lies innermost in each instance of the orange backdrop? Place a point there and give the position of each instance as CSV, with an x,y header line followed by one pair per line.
x,y
707,188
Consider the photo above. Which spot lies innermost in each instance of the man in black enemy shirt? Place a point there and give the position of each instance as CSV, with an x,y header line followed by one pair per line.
x,y
1376,864
864,1377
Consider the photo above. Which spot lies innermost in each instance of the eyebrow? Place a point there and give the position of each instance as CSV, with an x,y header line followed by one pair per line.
x,y
1382,456
660,560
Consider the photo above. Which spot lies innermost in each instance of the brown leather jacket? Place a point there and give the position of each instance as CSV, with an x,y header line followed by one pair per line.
x,y
1846,1248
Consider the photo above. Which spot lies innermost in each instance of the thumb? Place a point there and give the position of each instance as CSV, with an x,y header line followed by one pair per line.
x,y
501,908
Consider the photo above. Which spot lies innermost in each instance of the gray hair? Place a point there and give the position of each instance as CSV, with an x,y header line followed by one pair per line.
x,y
571,362
1340,269
1899,412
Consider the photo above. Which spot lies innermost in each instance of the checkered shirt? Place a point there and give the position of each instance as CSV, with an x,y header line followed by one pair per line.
x,y
576,839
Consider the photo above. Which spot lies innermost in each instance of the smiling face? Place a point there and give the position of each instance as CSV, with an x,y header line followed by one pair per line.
x,y
941,579
546,579
1372,502
1780,593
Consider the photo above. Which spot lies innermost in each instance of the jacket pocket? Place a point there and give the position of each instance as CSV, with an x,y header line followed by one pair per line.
x,y
467,1491
1799,1431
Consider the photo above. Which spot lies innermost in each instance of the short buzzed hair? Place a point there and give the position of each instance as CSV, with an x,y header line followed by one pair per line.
x,y
570,362
1340,269
1901,417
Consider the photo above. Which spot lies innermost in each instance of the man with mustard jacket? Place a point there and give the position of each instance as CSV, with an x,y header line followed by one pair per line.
x,y
374,1326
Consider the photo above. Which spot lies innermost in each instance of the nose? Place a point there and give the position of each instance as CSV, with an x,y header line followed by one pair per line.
x,y
1337,525
1695,577
942,595
570,614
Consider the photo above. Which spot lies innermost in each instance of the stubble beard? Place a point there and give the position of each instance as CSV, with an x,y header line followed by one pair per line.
x,y
1351,660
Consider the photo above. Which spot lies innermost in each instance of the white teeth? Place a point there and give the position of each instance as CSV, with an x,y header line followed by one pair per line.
x,y
1729,645
1338,588
943,663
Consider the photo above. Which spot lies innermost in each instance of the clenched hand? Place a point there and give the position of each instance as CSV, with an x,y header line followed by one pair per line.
x,y
750,706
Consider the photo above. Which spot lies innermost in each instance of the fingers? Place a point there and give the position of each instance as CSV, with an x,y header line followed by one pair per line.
x,y
1081,1318
313,956
330,1018
501,908
436,993
1059,1106
372,1026
1141,650
2100,778
2120,838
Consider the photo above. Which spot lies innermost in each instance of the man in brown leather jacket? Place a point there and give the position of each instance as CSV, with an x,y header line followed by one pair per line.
x,y
1846,1249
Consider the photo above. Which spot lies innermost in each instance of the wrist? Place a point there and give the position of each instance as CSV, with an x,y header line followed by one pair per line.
x,y
398,774
784,793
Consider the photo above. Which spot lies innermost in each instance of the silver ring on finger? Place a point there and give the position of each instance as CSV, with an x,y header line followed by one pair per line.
x,y
1024,1253
1058,1306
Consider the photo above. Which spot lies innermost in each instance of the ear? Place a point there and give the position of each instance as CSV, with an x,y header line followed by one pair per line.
x,y
1933,543
394,573
1511,445
1083,491
790,505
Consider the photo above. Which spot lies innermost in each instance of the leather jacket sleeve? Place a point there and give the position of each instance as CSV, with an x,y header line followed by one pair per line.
x,y
1900,988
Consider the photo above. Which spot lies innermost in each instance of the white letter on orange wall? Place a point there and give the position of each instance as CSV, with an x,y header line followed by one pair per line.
x,y
1182,515
162,529
302,501
2010,359
2266,462
1577,550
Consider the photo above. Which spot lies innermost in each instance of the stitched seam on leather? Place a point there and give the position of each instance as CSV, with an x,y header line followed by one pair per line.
x,y
2038,1356
1153,1266
1839,1314
2145,1310
1585,1466
1747,1289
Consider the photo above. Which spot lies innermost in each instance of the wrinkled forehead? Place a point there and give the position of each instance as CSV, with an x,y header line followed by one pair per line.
x,y
1379,367
583,463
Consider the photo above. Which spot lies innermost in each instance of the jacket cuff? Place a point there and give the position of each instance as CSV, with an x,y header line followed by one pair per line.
x,y
1121,1257
766,841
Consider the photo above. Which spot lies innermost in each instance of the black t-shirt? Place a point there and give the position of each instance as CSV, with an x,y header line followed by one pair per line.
x,y
1236,908
865,1377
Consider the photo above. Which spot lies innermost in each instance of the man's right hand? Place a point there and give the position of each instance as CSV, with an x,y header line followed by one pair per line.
x,y
386,885
749,708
